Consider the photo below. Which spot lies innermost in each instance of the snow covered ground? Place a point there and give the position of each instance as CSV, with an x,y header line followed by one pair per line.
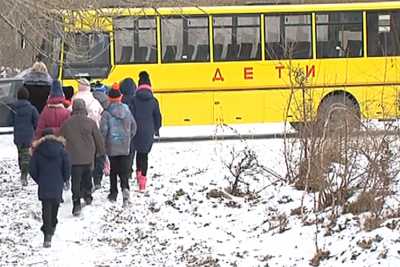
x,y
176,224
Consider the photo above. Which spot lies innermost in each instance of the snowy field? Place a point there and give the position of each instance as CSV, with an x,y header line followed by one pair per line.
x,y
176,224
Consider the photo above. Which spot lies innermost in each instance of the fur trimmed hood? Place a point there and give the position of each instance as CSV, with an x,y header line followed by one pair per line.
x,y
52,137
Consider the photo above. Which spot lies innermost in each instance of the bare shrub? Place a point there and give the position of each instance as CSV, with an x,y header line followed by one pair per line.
x,y
346,168
243,163
243,166
371,222
319,256
340,164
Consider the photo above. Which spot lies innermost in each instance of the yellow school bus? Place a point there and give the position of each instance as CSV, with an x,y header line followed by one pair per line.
x,y
235,64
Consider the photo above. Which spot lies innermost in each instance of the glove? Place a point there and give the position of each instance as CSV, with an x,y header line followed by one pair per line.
x,y
67,185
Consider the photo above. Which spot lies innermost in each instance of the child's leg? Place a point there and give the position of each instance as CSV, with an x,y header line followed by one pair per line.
x,y
141,162
19,149
98,170
54,212
139,166
141,158
47,217
131,158
114,170
86,184
23,161
124,171
76,177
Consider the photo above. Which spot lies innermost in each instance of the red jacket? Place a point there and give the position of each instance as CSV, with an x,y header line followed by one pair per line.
x,y
52,116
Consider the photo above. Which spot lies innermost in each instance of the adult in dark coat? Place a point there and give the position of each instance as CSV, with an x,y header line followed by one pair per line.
x,y
148,118
49,167
38,83
24,120
128,89
84,142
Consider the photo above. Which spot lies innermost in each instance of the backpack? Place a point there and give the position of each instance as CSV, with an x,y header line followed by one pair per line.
x,y
117,131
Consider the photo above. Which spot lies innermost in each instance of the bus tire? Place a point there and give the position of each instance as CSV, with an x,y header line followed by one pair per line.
x,y
337,113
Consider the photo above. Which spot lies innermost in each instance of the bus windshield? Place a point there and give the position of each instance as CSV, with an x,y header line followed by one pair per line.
x,y
86,55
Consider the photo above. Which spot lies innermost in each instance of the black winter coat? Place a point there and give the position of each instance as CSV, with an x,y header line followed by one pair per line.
x,y
24,120
50,167
128,90
38,85
148,118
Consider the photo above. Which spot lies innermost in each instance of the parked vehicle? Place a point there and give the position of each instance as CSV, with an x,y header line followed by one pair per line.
x,y
8,95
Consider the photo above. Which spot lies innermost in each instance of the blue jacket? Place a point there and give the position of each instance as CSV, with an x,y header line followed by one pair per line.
x,y
118,128
148,118
50,166
25,121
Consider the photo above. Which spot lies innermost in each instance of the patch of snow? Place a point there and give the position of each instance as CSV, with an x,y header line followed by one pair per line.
x,y
175,224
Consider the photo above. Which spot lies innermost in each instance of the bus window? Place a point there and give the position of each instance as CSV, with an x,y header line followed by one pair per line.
x,y
135,40
86,54
184,39
339,34
383,33
288,36
236,37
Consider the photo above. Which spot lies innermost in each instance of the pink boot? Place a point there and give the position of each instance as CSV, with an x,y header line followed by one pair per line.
x,y
138,174
142,183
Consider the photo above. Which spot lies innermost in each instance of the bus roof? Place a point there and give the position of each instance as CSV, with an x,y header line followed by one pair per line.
x,y
253,8
100,18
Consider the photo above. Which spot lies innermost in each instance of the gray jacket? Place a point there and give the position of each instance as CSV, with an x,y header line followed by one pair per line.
x,y
118,128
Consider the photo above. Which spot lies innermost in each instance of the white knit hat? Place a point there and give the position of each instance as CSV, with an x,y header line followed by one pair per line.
x,y
84,81
84,84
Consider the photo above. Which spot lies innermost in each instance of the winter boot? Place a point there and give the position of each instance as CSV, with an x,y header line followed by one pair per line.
x,y
24,179
88,199
76,210
138,174
47,241
112,197
125,197
142,183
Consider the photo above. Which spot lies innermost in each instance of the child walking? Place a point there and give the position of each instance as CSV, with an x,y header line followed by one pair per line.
x,y
118,128
24,120
50,168
148,118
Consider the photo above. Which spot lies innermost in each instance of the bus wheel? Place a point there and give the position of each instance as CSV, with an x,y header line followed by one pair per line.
x,y
338,113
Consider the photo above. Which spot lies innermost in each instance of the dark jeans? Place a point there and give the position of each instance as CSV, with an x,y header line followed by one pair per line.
x,y
98,169
49,216
119,166
81,182
141,162
23,159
